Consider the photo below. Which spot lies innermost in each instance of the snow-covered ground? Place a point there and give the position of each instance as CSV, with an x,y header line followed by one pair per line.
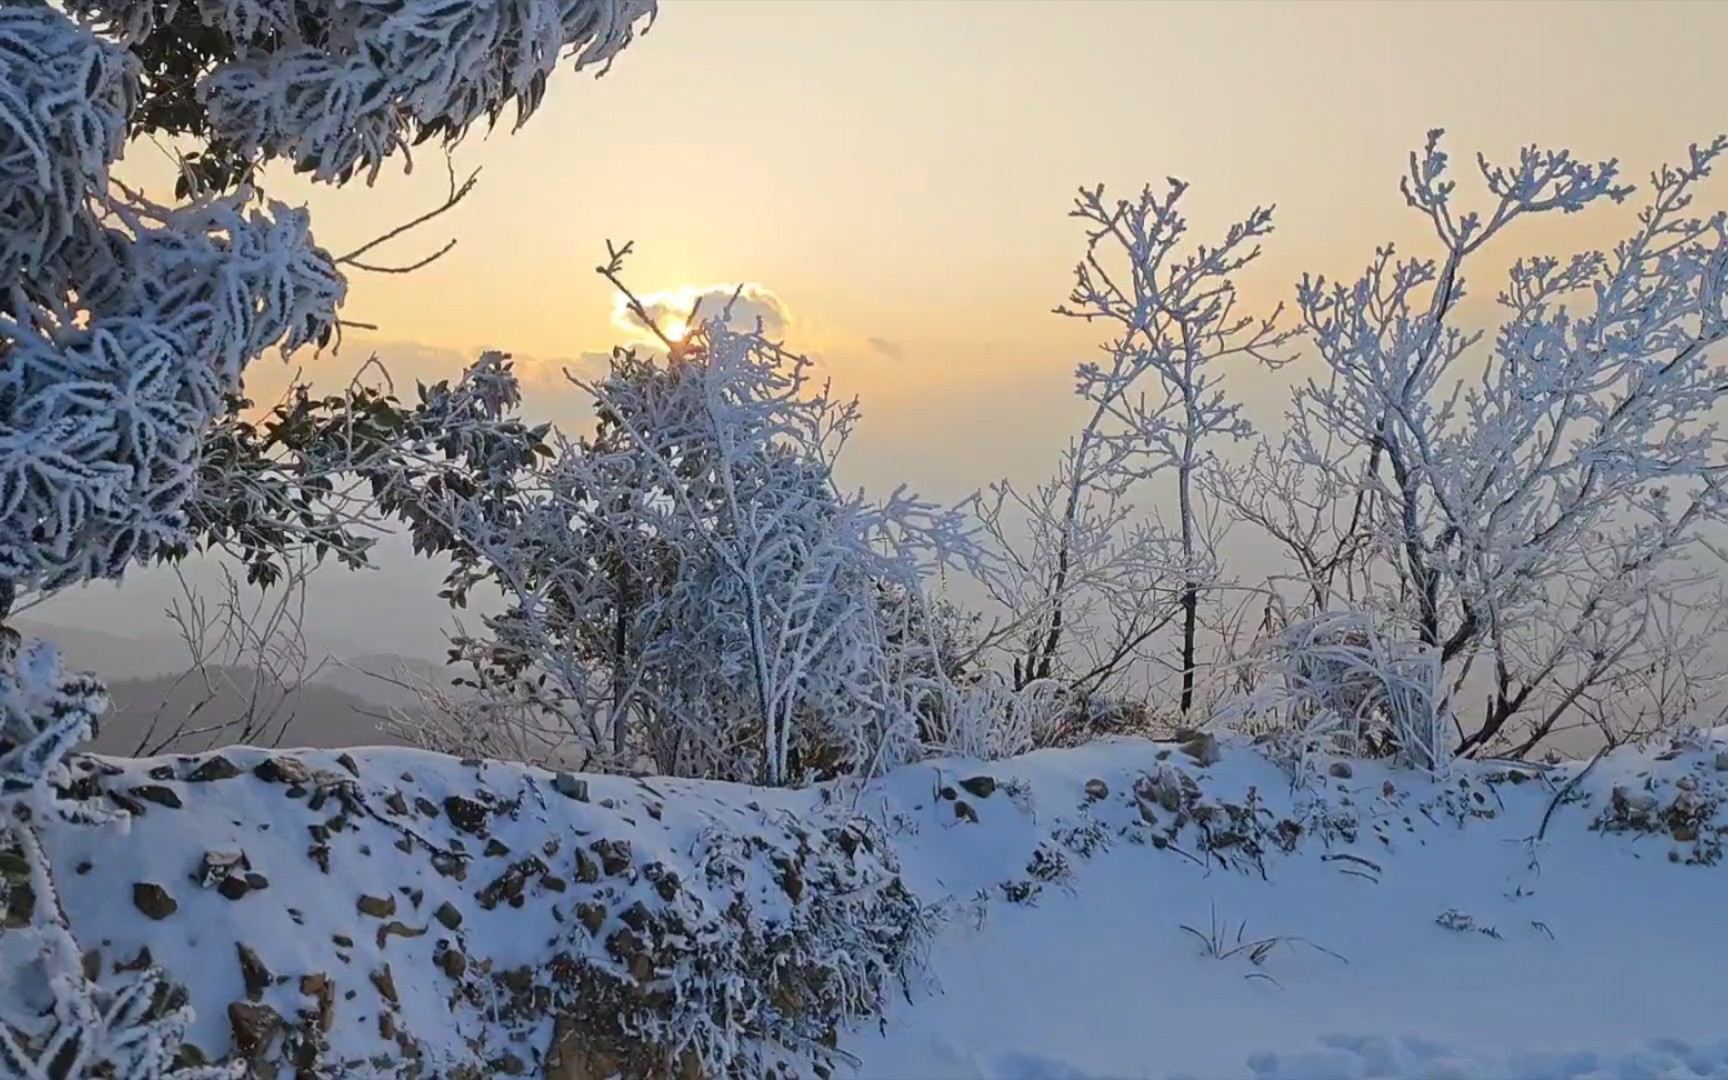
x,y
1606,958
1373,922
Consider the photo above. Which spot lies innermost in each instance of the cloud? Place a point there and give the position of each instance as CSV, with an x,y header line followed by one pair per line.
x,y
893,350
670,308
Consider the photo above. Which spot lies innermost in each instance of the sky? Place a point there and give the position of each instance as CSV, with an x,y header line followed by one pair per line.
x,y
894,179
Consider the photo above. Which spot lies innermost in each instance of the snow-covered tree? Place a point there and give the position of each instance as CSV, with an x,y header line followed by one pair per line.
x,y
689,584
126,328
1533,511
127,325
1096,581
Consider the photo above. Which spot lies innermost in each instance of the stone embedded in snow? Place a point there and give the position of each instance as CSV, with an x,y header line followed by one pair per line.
x,y
614,855
570,786
156,793
396,803
448,916
215,767
218,866
254,1027
346,760
453,962
1341,770
1633,802
153,900
385,983
378,907
253,973
1202,747
1097,789
466,814
592,916
282,770
233,888
963,811
1722,761
397,928
980,787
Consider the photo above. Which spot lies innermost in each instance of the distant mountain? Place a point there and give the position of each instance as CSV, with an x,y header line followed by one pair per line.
x,y
226,705
112,656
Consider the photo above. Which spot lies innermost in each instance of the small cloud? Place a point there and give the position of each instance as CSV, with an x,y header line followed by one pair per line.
x,y
670,309
893,350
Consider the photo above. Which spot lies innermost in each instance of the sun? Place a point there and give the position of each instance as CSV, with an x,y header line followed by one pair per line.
x,y
676,330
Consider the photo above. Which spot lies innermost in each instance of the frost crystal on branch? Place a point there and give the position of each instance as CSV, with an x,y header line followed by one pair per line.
x,y
337,88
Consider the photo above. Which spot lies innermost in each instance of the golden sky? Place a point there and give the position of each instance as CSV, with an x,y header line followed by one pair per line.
x,y
898,173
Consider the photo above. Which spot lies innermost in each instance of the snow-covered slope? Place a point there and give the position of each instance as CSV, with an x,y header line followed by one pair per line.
x,y
1441,941
1125,909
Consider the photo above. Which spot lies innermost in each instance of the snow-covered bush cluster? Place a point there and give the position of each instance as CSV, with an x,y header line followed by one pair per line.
x,y
1511,526
688,587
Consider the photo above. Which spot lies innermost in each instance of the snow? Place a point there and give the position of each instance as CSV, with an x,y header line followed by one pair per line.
x,y
1605,957
1099,980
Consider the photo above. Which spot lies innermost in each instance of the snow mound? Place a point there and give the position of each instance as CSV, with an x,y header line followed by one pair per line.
x,y
1122,909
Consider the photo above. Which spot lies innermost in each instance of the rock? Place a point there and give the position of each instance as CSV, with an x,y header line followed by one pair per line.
x,y
379,907
1097,789
342,941
466,814
162,772
254,1027
1341,770
215,767
282,770
453,962
253,972
495,849
1167,789
346,760
1633,803
134,807
218,866
1686,783
396,803
153,900
587,870
791,878
1685,832
510,886
450,865
385,983
233,888
980,787
665,881
138,963
964,812
508,1065
1202,746
397,928
448,916
591,916
319,987
156,793
614,855
570,786
257,881
1722,761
